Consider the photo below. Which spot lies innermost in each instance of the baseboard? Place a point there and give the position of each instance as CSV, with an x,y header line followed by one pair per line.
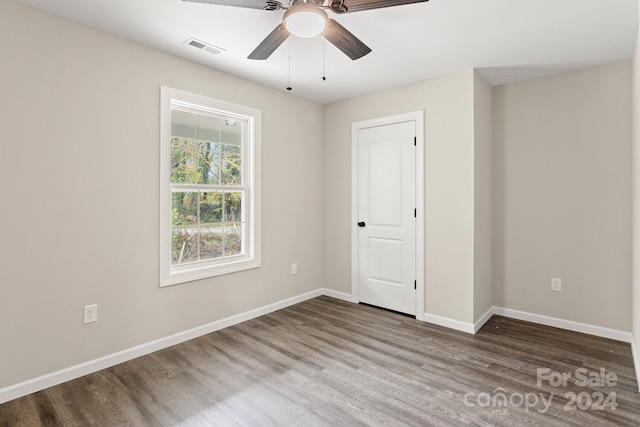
x,y
530,317
73,372
458,325
636,360
450,323
584,328
482,320
338,295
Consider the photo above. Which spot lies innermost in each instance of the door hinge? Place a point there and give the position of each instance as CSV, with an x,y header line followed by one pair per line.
x,y
415,141
415,284
415,213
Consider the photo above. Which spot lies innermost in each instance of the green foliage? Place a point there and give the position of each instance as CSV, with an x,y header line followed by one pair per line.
x,y
205,223
205,162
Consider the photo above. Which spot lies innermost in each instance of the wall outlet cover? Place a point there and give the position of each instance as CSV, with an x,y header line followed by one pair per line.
x,y
90,313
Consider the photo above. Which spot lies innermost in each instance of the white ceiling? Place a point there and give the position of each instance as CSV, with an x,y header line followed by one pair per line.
x,y
506,40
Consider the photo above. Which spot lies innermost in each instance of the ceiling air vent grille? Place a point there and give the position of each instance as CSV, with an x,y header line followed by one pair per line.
x,y
199,44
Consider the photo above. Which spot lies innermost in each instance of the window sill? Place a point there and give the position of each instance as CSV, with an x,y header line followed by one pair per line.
x,y
204,272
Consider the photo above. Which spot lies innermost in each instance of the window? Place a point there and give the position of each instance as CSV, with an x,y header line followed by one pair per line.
x,y
209,192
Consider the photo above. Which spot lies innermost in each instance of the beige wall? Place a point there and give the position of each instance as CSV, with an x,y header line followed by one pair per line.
x,y
483,199
449,186
79,166
562,204
636,201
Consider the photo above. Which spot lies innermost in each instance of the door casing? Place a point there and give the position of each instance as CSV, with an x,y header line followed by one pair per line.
x,y
418,118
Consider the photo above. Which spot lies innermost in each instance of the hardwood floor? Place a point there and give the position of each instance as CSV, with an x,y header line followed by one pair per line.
x,y
325,362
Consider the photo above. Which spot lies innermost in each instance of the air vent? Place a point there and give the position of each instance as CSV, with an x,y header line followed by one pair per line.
x,y
199,44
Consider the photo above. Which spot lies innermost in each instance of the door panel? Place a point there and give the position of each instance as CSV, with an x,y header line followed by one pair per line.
x,y
386,203
385,173
390,271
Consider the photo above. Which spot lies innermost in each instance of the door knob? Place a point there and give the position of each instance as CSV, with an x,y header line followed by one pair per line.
x,y
361,224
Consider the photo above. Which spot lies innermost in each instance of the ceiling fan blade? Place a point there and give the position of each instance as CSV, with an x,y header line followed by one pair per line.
x,y
341,38
344,6
250,4
270,43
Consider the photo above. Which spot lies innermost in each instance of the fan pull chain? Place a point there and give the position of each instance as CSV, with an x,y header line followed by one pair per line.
x,y
324,57
289,63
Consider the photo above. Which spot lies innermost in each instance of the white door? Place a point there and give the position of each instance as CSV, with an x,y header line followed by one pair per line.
x,y
386,212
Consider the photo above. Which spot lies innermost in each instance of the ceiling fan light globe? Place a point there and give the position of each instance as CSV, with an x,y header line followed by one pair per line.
x,y
305,22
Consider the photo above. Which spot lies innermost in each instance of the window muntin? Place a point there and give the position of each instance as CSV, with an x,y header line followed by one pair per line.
x,y
210,188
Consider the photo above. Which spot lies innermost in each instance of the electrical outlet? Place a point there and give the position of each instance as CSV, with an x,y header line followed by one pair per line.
x,y
556,284
90,313
294,268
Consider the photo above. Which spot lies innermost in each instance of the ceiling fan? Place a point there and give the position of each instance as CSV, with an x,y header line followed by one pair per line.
x,y
307,18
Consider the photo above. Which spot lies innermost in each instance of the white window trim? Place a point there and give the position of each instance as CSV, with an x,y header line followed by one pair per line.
x,y
172,276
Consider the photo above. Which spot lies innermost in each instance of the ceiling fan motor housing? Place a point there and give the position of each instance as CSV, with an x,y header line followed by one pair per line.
x,y
316,3
305,19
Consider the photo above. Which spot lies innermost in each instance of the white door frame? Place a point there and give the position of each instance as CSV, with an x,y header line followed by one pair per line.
x,y
418,117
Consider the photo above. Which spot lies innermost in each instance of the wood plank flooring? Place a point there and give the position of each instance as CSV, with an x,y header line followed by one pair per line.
x,y
325,362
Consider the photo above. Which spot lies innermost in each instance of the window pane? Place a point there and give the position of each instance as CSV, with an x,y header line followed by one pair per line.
x,y
184,246
231,165
233,227
184,208
232,132
210,163
184,221
233,207
232,241
211,208
211,243
183,124
183,161
208,128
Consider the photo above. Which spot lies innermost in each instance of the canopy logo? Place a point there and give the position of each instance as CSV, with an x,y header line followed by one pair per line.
x,y
499,401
